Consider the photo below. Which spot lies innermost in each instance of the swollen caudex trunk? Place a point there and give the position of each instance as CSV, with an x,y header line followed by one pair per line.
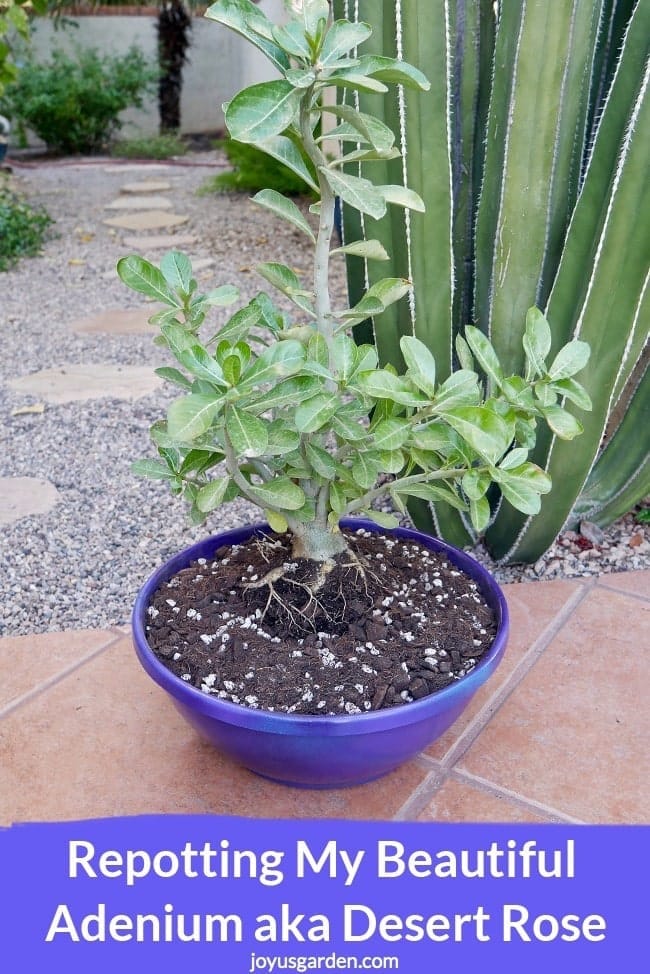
x,y
315,542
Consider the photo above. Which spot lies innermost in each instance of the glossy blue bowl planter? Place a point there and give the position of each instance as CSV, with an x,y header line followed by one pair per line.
x,y
321,752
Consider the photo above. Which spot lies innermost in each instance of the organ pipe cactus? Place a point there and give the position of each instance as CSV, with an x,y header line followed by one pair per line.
x,y
530,153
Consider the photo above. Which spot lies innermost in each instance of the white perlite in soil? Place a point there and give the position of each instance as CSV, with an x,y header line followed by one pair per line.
x,y
80,565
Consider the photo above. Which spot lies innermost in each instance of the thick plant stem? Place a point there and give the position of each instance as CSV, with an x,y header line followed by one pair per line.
x,y
322,301
316,542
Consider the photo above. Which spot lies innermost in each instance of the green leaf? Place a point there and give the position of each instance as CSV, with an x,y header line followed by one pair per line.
x,y
291,38
479,513
317,350
232,367
460,389
523,487
537,340
485,355
378,135
248,434
356,192
380,517
285,208
366,308
191,416
392,461
562,423
573,392
281,148
199,461
434,492
320,460
201,364
337,498
243,17
342,36
390,434
177,337
420,363
475,483
282,439
262,111
348,428
368,249
358,82
278,361
464,354
211,495
153,469
286,393
240,324
141,276
221,296
312,415
276,522
280,276
570,360
514,459
344,354
279,493
177,271
315,14
389,290
368,155
402,196
365,469
173,375
393,71
381,384
486,432
437,438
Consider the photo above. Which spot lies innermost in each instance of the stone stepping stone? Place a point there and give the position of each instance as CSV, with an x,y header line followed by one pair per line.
x,y
142,168
147,186
134,321
202,263
24,496
140,203
147,220
166,241
71,383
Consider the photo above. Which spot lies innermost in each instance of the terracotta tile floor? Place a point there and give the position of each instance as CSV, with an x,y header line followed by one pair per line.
x,y
559,734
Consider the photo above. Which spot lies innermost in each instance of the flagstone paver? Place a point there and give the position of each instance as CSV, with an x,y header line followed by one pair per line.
x,y
134,321
140,203
140,167
161,241
24,496
147,186
147,220
69,383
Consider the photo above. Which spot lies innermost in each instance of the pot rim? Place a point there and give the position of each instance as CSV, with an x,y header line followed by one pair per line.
x,y
282,723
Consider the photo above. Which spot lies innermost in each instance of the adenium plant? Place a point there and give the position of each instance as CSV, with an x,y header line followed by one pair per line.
x,y
282,407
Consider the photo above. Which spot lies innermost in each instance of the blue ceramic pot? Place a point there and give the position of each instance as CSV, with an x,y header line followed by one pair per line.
x,y
321,752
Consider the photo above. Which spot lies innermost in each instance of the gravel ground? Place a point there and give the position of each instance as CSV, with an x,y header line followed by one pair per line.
x,y
81,564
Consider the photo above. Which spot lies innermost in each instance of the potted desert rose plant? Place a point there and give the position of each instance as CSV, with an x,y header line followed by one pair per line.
x,y
327,645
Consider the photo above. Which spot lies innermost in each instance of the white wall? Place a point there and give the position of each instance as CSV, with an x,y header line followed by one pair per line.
x,y
220,63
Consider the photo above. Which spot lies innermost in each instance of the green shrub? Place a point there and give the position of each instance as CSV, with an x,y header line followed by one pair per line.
x,y
253,170
153,147
73,103
22,228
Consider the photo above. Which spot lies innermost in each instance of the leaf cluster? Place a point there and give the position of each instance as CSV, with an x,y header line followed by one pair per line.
x,y
285,409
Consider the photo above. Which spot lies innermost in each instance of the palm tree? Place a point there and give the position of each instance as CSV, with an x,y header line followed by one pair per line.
x,y
174,25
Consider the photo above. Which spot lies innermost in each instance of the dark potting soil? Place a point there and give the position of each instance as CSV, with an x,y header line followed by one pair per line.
x,y
389,625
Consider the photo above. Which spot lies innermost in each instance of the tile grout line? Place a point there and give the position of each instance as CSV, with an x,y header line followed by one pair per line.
x,y
619,591
427,788
58,677
519,673
529,804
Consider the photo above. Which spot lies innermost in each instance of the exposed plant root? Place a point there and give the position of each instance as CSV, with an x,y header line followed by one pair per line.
x,y
326,585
